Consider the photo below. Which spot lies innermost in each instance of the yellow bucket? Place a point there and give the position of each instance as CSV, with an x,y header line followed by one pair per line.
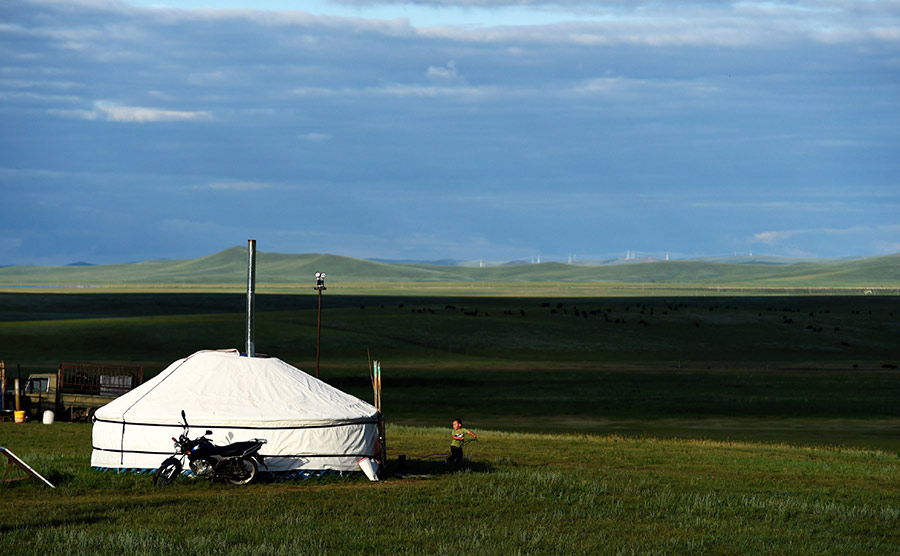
x,y
19,416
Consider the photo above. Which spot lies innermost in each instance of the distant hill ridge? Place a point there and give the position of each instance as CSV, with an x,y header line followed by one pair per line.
x,y
230,267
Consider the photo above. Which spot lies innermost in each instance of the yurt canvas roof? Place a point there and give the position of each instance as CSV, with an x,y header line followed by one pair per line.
x,y
307,423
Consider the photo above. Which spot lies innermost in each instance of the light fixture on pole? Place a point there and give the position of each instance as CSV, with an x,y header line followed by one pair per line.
x,y
320,286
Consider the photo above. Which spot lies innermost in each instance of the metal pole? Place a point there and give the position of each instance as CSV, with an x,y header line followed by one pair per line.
x,y
320,285
319,334
381,429
251,291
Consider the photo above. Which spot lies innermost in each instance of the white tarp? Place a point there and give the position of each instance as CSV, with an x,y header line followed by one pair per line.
x,y
308,424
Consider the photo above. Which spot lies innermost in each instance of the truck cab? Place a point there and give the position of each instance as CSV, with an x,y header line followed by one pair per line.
x,y
38,384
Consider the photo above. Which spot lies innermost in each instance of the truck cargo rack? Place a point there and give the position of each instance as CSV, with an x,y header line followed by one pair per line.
x,y
99,379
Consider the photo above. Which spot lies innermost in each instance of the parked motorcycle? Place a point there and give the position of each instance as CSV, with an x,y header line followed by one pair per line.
x,y
235,463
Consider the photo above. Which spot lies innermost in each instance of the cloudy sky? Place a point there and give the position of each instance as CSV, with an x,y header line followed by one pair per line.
x,y
467,129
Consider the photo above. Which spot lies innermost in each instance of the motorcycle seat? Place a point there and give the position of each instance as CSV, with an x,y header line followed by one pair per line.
x,y
238,448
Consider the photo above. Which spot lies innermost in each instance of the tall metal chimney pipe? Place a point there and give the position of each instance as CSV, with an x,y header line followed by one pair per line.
x,y
251,293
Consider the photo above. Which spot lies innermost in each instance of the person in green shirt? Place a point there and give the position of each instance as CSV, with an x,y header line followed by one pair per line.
x,y
457,439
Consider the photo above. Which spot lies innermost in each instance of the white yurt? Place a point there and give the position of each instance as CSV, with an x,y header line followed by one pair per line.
x,y
309,426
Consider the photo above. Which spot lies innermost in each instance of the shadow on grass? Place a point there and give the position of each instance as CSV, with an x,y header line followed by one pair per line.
x,y
433,465
34,520
59,477
83,520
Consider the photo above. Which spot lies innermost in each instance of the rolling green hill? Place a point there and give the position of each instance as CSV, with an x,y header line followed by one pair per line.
x,y
229,268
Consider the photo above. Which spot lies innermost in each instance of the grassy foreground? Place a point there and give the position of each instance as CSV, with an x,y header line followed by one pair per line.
x,y
522,494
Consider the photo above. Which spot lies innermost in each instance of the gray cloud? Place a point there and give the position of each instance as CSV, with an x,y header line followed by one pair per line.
x,y
703,123
445,73
315,137
111,112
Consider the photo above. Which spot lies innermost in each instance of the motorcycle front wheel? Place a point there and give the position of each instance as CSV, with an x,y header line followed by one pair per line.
x,y
166,473
242,472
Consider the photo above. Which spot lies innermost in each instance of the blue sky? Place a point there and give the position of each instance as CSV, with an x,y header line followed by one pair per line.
x,y
426,129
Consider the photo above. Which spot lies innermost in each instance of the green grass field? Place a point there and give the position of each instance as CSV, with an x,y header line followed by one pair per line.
x,y
607,425
521,494
805,370
766,332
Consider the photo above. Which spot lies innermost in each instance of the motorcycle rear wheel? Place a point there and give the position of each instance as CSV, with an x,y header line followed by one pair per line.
x,y
166,474
245,471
